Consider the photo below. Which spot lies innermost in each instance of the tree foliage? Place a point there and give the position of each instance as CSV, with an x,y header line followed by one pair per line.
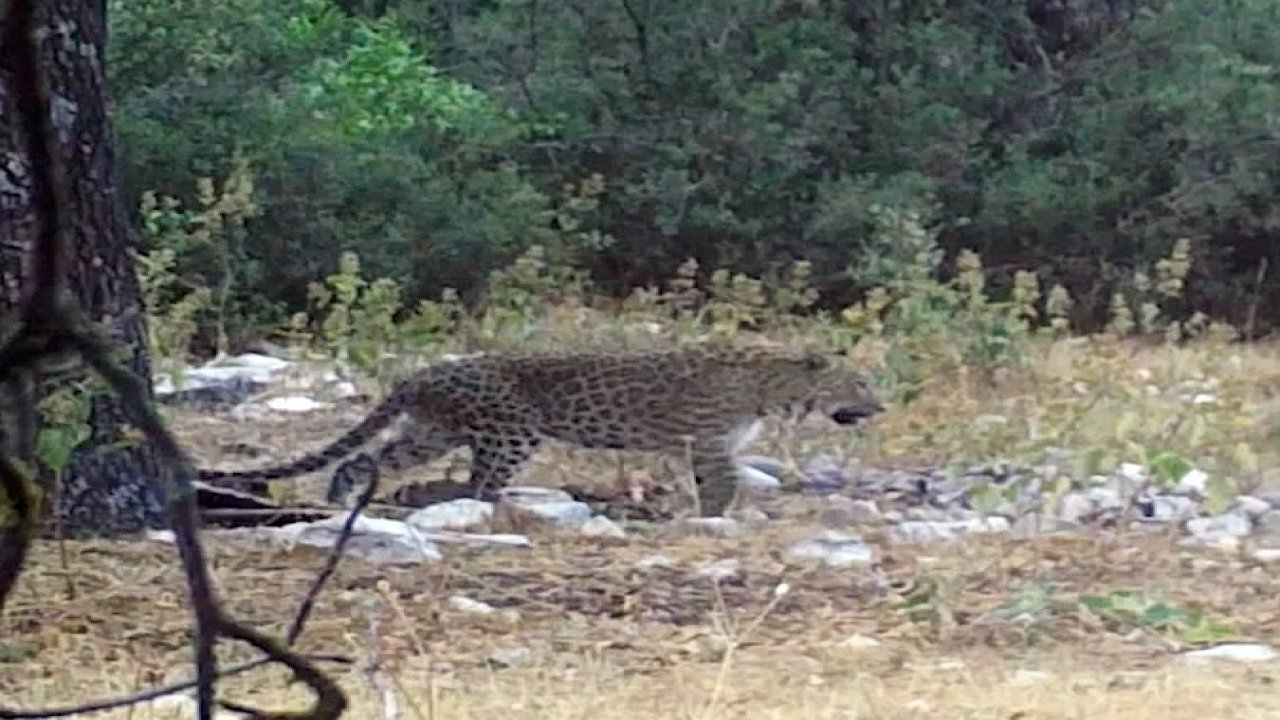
x,y
442,139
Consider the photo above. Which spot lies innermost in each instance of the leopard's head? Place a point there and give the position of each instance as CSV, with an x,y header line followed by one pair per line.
x,y
821,382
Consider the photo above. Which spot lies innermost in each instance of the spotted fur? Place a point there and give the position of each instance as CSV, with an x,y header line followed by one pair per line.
x,y
706,398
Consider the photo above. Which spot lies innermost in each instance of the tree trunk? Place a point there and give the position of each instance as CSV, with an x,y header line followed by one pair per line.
x,y
107,487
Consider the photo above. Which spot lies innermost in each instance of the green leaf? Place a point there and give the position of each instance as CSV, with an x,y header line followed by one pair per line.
x,y
55,445
1168,467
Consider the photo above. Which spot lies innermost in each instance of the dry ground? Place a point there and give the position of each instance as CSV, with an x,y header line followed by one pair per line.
x,y
985,628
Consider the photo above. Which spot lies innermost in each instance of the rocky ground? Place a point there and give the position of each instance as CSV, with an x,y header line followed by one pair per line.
x,y
845,586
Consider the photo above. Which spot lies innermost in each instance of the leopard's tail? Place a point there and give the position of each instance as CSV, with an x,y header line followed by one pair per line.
x,y
375,422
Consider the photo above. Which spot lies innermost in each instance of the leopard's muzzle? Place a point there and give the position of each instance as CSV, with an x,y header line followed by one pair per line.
x,y
856,412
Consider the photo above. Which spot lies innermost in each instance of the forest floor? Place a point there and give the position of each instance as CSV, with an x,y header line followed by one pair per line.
x,y
986,627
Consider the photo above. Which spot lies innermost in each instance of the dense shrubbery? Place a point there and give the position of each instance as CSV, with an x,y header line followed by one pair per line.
x,y
441,141
934,189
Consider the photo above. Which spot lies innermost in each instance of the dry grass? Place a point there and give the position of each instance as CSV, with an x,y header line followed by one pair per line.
x,y
610,640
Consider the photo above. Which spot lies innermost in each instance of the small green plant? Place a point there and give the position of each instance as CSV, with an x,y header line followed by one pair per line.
x,y
518,297
172,317
186,247
930,602
1134,608
357,317
1145,304
935,326
64,427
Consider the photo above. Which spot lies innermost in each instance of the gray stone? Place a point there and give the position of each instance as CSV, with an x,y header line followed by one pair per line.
x,y
832,548
1269,523
1033,524
719,570
548,504
510,657
378,540
1075,506
601,526
1251,507
708,526
924,531
452,515
1229,525
822,473
1173,508
650,562
841,510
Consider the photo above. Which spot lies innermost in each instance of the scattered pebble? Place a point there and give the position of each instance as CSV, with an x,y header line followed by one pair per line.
x,y
708,526
832,548
719,571
467,605
601,526
510,657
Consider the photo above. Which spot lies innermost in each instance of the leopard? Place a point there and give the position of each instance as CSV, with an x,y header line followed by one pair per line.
x,y
703,401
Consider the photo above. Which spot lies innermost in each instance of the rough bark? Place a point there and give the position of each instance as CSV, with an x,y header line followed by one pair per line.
x,y
107,488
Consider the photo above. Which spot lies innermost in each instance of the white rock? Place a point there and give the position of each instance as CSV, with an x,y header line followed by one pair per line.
x,y
709,526
1194,481
654,561
1074,506
452,515
161,536
984,525
569,512
375,539
1132,471
1266,555
832,548
294,404
344,389
859,642
757,479
475,607
254,361
770,466
549,504
719,570
1026,678
482,539
182,706
751,516
1105,498
601,526
1236,652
